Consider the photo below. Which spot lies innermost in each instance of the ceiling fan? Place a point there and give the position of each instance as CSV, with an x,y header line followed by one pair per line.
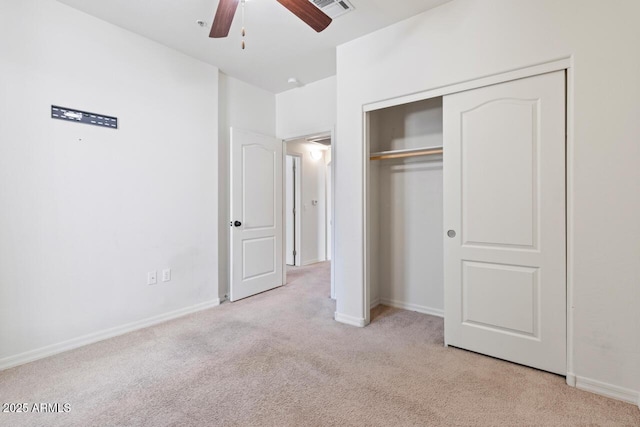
x,y
303,9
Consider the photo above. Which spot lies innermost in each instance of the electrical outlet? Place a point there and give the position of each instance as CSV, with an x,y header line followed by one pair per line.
x,y
152,278
166,274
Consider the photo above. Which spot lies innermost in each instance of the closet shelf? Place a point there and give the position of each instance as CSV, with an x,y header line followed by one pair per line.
x,y
399,154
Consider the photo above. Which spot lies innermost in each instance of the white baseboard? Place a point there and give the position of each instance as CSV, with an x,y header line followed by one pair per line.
x,y
312,261
412,307
50,350
571,379
607,390
350,320
374,303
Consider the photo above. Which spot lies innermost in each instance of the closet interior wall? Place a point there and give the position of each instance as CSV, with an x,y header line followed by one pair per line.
x,y
405,209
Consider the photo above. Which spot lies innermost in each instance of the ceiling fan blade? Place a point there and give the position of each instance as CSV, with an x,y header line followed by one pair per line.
x,y
224,18
311,15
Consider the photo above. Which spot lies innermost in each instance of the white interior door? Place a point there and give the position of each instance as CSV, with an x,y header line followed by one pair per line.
x,y
504,216
256,214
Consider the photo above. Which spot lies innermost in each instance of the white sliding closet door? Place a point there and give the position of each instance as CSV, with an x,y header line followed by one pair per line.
x,y
504,218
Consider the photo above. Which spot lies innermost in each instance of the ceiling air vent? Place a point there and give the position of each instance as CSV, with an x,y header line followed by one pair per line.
x,y
333,8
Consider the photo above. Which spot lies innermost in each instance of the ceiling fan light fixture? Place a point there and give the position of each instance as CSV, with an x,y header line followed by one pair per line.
x,y
303,9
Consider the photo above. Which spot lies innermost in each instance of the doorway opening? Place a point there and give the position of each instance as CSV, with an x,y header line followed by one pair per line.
x,y
308,201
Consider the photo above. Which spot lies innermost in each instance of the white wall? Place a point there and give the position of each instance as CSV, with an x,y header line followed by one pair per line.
x,y
247,107
467,39
85,211
306,110
313,187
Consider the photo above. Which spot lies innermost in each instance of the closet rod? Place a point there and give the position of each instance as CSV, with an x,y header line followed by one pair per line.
x,y
399,154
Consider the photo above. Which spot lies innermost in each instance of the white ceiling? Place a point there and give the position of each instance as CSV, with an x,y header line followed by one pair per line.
x,y
279,45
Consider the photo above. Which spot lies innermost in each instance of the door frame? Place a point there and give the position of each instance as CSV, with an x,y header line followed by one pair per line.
x,y
298,215
328,219
331,132
564,63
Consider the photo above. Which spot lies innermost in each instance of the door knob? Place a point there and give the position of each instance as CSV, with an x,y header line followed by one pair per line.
x,y
451,233
237,223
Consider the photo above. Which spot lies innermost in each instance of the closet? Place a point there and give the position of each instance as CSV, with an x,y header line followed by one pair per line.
x,y
405,196
466,215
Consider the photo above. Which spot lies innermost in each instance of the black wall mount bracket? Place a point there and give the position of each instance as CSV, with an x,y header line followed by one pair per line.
x,y
71,115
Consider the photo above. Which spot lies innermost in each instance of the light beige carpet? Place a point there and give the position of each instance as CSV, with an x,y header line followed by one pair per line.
x,y
279,359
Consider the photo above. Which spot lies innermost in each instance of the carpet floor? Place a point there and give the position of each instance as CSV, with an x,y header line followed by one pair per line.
x,y
279,359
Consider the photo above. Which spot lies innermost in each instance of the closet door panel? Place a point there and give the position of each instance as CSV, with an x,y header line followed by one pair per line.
x,y
498,196
484,283
504,216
